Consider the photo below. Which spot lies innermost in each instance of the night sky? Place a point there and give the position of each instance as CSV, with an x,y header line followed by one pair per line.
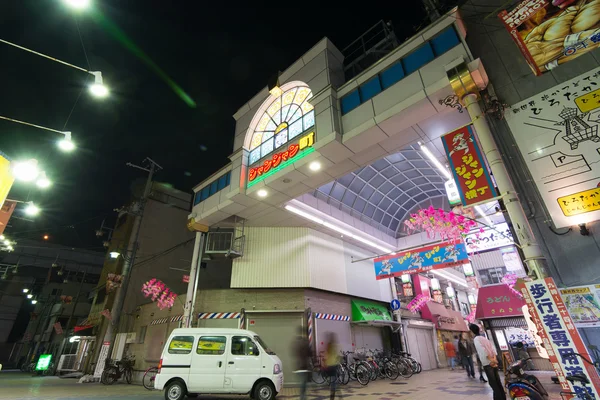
x,y
220,53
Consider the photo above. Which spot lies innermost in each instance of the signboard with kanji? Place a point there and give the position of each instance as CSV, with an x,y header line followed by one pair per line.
x,y
557,133
490,238
468,166
551,33
559,335
442,255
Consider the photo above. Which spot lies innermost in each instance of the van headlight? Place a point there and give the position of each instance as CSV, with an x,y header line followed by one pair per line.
x,y
276,369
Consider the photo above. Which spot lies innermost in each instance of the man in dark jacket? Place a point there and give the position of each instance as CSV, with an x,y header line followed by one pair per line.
x,y
466,349
303,354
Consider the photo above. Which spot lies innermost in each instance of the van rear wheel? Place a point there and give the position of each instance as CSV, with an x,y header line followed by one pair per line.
x,y
175,391
264,391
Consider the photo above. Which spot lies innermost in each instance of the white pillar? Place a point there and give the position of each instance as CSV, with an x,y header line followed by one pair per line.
x,y
534,258
188,308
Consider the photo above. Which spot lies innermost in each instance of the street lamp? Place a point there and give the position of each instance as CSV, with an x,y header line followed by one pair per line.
x,y
30,296
114,254
25,290
78,4
26,171
43,181
32,209
97,88
33,301
66,144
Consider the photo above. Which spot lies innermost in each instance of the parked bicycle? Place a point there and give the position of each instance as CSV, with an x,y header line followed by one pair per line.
x,y
149,378
114,371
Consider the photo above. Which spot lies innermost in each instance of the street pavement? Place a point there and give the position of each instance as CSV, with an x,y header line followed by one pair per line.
x,y
436,385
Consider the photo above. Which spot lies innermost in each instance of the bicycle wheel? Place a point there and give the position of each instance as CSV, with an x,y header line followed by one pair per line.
x,y
109,375
416,366
362,374
317,376
391,370
149,377
128,373
343,374
404,368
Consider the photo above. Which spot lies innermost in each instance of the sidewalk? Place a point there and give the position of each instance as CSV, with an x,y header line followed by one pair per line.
x,y
429,385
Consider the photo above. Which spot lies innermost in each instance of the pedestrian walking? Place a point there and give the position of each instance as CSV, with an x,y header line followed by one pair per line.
x,y
466,349
450,352
332,360
303,354
489,361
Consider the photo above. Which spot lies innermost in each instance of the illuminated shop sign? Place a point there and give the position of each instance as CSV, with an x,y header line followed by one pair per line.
x,y
281,160
489,239
580,202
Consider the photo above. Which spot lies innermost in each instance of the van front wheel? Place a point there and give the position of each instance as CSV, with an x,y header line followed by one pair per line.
x,y
264,391
175,391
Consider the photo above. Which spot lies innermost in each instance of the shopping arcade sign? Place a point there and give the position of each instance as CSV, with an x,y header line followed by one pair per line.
x,y
490,238
438,256
281,160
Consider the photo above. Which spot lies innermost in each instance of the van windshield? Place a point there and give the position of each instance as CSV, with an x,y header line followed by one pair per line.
x,y
264,345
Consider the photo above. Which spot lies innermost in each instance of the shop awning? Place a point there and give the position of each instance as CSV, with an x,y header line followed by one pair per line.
x,y
454,322
437,309
369,311
498,301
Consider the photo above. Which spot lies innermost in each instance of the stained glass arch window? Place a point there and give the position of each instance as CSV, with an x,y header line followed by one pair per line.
x,y
280,119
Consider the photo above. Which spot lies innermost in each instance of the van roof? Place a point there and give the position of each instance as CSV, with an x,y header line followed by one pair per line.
x,y
230,331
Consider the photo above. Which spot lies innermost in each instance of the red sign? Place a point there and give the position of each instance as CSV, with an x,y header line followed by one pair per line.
x,y
252,322
186,278
468,166
559,336
498,301
58,328
278,158
5,213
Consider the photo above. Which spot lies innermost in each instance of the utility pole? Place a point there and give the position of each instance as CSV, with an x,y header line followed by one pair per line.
x,y
192,289
130,255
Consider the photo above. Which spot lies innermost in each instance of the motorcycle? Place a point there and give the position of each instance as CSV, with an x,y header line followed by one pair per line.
x,y
523,386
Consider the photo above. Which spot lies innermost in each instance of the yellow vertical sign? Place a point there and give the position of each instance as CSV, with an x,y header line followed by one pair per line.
x,y
6,178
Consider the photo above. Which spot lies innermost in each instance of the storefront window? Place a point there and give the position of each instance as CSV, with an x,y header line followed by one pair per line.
x,y
491,276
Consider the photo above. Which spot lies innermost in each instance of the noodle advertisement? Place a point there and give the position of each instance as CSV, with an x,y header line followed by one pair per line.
x,y
583,304
552,32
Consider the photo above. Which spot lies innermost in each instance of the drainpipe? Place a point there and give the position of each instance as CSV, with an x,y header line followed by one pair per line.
x,y
192,289
534,258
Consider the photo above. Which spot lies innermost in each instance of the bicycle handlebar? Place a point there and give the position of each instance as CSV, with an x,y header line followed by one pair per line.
x,y
581,356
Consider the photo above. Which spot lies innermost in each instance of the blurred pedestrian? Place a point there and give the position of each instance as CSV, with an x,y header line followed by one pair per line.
x,y
524,355
466,349
480,368
303,354
332,360
487,355
450,352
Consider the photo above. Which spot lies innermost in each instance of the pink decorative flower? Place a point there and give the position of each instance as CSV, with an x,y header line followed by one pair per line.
x,y
417,303
510,280
446,225
159,292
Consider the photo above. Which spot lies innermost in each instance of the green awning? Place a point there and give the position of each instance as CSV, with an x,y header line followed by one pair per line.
x,y
369,311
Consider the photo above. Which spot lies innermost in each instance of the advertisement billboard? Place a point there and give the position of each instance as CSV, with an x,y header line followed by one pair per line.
x,y
468,166
442,255
557,133
551,33
583,303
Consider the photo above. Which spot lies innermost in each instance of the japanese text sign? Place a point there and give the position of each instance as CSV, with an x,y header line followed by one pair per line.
x,y
557,134
281,160
559,335
489,239
442,255
468,166
583,303
497,301
572,23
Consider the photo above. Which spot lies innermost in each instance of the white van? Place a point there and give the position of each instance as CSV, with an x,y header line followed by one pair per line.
x,y
218,360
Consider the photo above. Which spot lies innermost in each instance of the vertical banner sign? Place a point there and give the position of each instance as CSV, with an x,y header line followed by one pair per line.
x,y
5,213
442,255
58,328
468,166
101,360
560,336
6,177
572,23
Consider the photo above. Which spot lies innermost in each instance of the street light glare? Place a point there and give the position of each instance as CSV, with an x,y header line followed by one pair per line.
x,y
26,170
33,301
114,254
32,209
78,4
43,181
66,145
99,90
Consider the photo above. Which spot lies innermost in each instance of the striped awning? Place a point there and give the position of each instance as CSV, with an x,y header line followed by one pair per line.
x,y
165,320
216,315
332,317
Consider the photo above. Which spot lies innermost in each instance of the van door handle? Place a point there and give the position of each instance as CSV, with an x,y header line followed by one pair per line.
x,y
220,363
230,362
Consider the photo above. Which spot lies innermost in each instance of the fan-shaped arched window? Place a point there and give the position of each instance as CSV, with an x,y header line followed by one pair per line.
x,y
284,118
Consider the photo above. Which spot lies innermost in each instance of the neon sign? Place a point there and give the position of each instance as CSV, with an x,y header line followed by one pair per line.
x,y
281,160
